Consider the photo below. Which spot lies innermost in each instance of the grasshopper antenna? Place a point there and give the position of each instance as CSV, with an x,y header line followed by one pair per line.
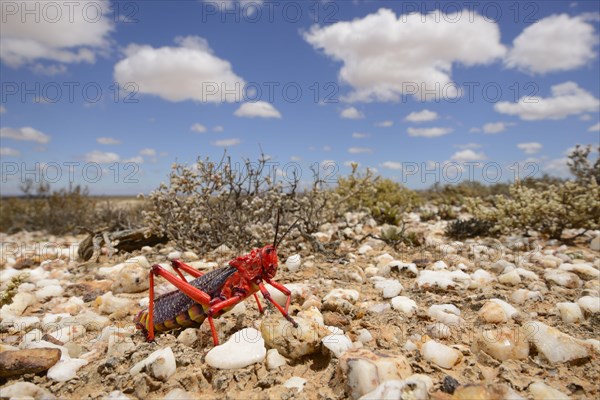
x,y
276,244
277,227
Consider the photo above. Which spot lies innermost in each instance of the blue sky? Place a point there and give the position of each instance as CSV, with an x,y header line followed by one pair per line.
x,y
506,84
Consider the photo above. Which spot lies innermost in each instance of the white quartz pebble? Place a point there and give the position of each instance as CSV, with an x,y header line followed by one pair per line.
x,y
160,364
440,354
244,348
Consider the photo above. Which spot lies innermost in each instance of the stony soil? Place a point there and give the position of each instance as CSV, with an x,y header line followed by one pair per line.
x,y
356,265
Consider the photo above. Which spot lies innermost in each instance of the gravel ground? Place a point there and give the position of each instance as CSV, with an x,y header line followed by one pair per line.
x,y
514,317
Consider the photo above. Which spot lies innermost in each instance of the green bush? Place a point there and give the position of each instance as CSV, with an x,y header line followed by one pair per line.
x,y
469,228
546,209
213,203
64,211
446,213
385,200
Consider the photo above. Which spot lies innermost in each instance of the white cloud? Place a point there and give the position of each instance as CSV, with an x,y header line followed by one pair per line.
x,y
359,150
326,148
9,152
360,135
494,127
2,109
566,99
351,113
107,140
218,128
554,43
475,130
198,128
260,109
421,116
49,70
594,128
148,152
385,55
392,165
585,117
429,132
135,160
296,158
187,72
468,146
26,133
530,148
226,142
102,157
558,167
60,34
385,124
467,155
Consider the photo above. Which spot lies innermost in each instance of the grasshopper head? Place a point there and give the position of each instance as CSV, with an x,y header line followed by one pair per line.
x,y
269,260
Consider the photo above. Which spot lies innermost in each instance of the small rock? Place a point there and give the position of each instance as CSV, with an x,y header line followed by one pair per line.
x,y
337,344
481,278
520,296
503,343
510,278
595,243
583,270
364,249
26,390
570,312
118,345
405,305
389,287
496,311
293,262
275,360
541,391
132,277
444,280
438,331
292,342
188,336
449,384
481,392
350,295
409,268
108,303
160,364
440,354
395,389
245,347
13,363
66,369
180,394
365,370
295,382
364,336
589,304
563,278
447,314
174,255
555,346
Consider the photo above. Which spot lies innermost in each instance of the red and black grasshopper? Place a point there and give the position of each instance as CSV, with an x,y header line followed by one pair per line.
x,y
210,295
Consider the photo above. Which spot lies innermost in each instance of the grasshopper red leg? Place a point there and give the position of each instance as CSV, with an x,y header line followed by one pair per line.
x,y
177,264
215,308
267,296
283,290
150,336
194,293
260,308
